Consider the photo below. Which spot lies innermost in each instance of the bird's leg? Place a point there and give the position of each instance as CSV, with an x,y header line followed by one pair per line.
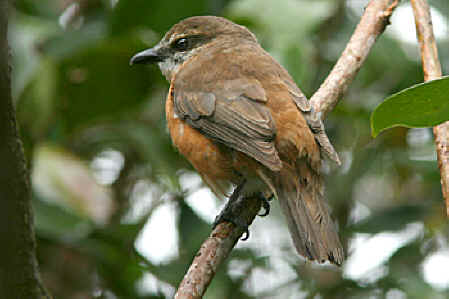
x,y
230,212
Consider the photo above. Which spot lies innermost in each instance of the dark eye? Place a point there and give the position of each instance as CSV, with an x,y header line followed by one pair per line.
x,y
181,44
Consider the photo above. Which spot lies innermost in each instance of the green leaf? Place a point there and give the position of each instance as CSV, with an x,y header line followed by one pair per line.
x,y
422,105
58,223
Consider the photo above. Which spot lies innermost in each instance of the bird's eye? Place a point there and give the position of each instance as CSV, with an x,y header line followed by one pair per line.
x,y
181,44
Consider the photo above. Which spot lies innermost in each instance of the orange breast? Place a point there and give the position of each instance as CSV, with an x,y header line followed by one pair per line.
x,y
212,162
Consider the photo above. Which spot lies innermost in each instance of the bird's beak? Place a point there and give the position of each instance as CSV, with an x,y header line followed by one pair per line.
x,y
147,56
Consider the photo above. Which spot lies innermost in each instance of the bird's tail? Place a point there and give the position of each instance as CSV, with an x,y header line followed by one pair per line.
x,y
301,196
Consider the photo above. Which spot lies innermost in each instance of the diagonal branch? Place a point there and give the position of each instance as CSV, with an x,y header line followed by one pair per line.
x,y
223,238
214,250
432,70
372,24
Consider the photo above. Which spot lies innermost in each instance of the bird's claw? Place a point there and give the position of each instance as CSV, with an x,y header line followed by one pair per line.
x,y
265,205
226,215
245,235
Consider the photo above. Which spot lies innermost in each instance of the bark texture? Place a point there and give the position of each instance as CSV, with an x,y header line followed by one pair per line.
x,y
373,22
432,70
214,250
19,275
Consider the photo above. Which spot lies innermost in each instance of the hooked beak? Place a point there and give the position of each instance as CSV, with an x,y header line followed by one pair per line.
x,y
147,56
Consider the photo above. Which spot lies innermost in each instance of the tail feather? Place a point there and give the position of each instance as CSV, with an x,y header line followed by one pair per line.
x,y
302,200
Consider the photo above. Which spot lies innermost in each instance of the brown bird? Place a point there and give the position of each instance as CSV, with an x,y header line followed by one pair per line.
x,y
239,118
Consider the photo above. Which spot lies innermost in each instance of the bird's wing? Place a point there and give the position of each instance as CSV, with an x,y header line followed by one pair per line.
x,y
232,113
314,121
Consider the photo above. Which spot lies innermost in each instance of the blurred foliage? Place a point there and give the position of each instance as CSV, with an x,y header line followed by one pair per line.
x,y
422,105
103,164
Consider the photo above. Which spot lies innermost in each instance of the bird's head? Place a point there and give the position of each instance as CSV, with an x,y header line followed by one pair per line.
x,y
191,37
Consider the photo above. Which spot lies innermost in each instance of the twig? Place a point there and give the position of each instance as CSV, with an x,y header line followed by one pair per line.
x,y
371,25
73,10
224,237
432,70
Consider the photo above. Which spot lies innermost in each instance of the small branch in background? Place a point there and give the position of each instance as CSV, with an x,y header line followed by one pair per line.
x,y
432,70
219,244
214,250
371,25
73,11
71,15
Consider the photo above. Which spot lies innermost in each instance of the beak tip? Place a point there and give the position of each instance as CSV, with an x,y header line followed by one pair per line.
x,y
146,56
131,61
136,59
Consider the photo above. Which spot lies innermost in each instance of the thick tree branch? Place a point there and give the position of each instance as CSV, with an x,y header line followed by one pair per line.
x,y
432,70
217,247
19,275
372,24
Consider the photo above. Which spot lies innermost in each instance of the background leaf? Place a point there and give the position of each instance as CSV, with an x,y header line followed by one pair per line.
x,y
422,105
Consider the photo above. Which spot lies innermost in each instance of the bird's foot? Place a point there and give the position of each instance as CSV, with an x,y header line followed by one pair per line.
x,y
230,212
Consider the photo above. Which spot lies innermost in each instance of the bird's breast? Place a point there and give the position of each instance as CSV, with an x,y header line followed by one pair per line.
x,y
212,161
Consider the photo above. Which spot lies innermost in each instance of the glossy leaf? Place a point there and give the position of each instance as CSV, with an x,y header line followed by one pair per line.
x,y
422,105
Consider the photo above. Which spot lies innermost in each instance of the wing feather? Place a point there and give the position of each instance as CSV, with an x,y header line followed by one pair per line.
x,y
230,116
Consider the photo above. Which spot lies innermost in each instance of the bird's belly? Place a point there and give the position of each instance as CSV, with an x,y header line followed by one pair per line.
x,y
211,161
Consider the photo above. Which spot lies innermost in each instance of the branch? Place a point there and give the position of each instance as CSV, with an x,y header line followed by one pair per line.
x,y
223,238
73,10
19,274
373,23
432,70
214,251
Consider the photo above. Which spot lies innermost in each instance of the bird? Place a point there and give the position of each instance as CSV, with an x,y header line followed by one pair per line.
x,y
239,118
